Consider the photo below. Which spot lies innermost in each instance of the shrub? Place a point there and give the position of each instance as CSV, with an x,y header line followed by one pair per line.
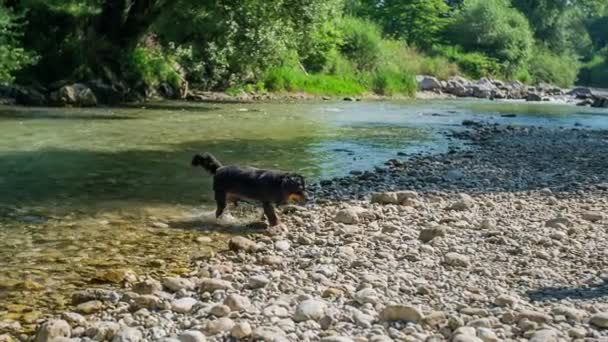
x,y
152,66
473,64
545,66
361,43
390,82
595,72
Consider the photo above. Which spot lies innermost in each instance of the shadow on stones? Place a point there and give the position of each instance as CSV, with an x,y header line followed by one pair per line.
x,y
573,293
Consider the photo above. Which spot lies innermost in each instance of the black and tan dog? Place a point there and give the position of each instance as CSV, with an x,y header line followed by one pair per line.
x,y
234,183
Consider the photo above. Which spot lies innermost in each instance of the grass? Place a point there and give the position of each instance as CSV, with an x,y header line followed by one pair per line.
x,y
292,80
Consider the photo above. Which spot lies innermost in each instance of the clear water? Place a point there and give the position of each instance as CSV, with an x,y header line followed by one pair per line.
x,y
84,190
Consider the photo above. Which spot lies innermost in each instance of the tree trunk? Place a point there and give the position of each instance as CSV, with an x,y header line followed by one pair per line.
x,y
119,27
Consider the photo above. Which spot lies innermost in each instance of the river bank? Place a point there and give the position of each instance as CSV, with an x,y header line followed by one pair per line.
x,y
96,93
506,240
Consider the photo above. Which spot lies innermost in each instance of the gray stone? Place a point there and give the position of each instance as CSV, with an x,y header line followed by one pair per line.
x,y
309,310
192,336
176,284
600,320
183,305
128,335
237,302
258,282
220,325
210,285
53,329
241,330
456,260
397,312
428,234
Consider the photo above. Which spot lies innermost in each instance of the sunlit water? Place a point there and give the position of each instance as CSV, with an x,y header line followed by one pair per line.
x,y
89,190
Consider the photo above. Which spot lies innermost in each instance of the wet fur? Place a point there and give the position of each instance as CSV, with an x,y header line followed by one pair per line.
x,y
234,183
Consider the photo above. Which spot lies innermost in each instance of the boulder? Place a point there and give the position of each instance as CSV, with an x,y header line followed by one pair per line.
x,y
26,96
76,94
428,83
457,89
581,93
600,101
533,97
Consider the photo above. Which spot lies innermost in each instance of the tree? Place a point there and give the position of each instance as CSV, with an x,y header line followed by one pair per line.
x,y
560,23
494,28
418,22
12,55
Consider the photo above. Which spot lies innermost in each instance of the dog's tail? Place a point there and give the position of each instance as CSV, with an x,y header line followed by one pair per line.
x,y
207,161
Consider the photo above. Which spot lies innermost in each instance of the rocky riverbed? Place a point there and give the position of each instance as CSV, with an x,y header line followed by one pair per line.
x,y
504,241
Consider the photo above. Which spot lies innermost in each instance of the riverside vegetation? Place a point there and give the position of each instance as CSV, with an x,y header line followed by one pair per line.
x,y
81,52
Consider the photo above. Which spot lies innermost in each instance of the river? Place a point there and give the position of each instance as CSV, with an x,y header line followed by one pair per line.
x,y
88,190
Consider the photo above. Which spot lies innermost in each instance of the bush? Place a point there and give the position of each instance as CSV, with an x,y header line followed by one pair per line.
x,y
13,56
152,66
361,43
494,28
398,56
390,82
545,66
595,72
473,64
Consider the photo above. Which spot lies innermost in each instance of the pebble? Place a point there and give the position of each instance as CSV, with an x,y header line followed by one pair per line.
x,y
147,286
192,336
241,330
220,310
53,329
89,307
220,325
282,245
237,302
428,234
239,243
600,320
177,284
309,310
397,312
457,260
258,282
210,285
128,335
183,305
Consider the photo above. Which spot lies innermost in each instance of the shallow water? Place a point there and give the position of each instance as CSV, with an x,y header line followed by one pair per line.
x,y
103,189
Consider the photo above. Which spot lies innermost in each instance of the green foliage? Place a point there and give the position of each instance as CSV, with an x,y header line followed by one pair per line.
x,y
546,66
389,82
595,72
361,43
418,22
151,66
401,58
293,80
473,64
13,56
495,29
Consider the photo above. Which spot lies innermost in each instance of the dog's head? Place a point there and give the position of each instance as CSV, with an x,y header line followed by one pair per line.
x,y
206,161
294,187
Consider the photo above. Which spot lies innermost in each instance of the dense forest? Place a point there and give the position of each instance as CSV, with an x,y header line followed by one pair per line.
x,y
316,46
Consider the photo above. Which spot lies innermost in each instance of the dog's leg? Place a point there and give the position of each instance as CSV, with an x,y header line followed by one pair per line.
x,y
273,220
220,200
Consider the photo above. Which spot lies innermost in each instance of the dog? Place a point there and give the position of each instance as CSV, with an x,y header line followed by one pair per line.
x,y
235,183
